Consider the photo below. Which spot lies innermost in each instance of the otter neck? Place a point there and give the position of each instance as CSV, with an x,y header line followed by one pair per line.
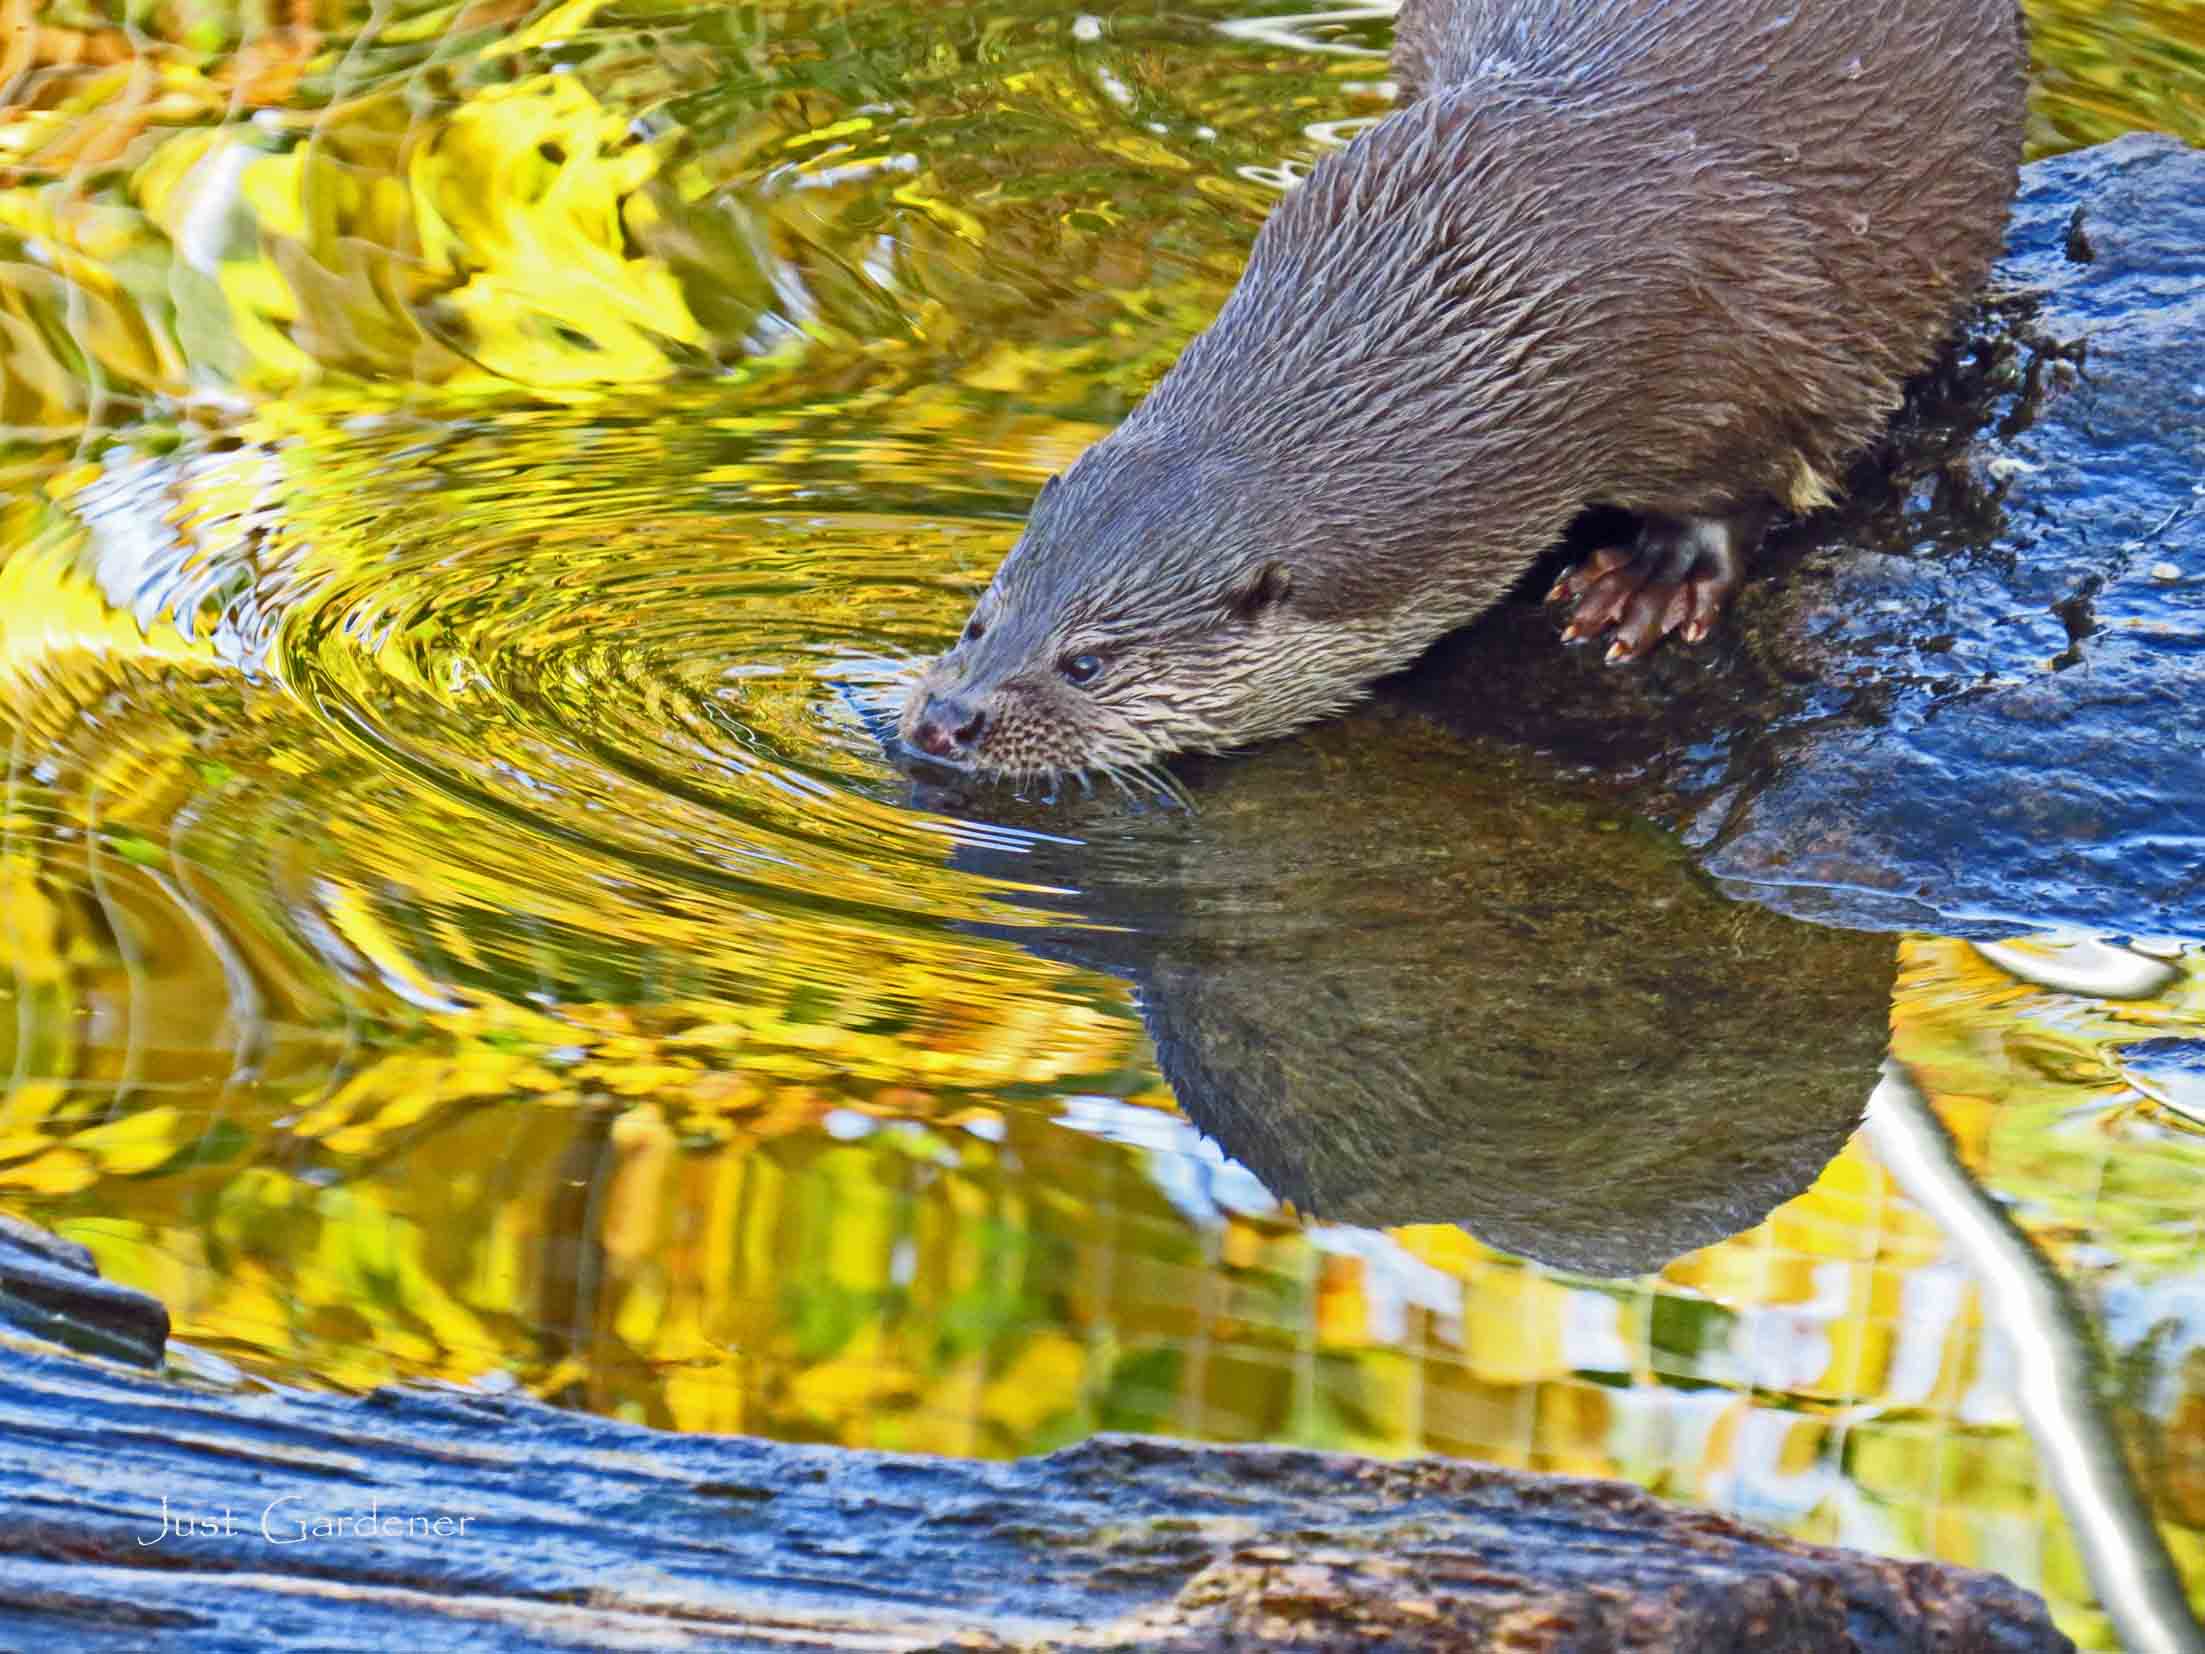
x,y
1380,530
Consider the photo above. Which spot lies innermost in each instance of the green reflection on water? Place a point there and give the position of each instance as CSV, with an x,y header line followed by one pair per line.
x,y
465,481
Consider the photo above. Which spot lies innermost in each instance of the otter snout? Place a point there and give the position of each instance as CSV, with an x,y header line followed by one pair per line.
x,y
947,726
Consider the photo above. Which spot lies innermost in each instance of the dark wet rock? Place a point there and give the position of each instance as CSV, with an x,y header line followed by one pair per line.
x,y
50,1289
1967,701
1481,995
589,1533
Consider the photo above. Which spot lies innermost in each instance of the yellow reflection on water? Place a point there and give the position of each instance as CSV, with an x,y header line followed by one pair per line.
x,y
569,197
465,480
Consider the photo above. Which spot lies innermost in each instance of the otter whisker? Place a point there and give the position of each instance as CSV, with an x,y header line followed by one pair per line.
x,y
1167,785
1110,773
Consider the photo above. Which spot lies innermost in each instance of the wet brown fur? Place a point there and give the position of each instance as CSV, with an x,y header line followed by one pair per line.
x,y
1671,255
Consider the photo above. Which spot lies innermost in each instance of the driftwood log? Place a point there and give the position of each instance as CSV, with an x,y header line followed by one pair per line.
x,y
151,1513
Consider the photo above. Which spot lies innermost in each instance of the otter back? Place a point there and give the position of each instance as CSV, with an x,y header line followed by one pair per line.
x,y
1669,256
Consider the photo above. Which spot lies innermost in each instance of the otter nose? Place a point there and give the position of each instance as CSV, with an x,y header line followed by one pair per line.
x,y
948,727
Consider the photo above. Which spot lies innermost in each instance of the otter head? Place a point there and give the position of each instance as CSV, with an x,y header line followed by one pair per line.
x,y
1160,600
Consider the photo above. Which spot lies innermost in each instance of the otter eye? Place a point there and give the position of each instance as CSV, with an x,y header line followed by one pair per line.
x,y
1271,585
1081,669
974,631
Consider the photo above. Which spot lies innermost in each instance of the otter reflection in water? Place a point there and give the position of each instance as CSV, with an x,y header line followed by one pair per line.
x,y
1463,992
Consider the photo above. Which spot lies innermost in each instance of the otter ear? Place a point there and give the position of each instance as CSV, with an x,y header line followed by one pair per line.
x,y
1269,586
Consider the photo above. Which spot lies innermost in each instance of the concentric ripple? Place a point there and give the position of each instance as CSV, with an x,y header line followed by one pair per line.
x,y
669,690
635,710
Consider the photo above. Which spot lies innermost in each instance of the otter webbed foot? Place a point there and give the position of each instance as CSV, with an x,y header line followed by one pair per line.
x,y
1675,578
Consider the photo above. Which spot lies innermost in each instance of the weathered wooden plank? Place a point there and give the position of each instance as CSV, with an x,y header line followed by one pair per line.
x,y
444,1519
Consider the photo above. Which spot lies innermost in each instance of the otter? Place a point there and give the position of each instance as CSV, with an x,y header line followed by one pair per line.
x,y
1673,256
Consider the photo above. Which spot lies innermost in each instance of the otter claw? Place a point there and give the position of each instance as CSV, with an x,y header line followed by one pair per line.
x,y
1587,574
1607,596
1676,579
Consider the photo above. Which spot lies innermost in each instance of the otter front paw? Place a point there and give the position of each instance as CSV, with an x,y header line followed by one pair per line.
x,y
1675,578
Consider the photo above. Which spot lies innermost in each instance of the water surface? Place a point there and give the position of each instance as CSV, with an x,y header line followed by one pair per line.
x,y
466,478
